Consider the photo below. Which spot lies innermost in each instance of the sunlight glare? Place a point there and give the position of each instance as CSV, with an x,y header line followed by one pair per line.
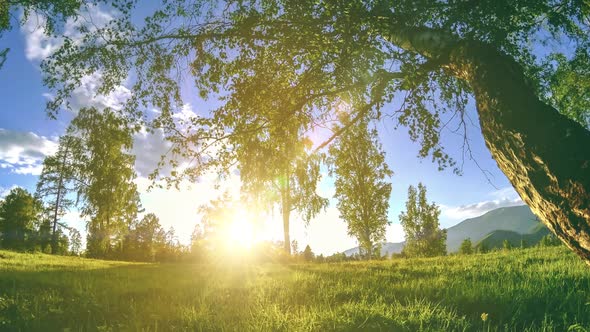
x,y
241,232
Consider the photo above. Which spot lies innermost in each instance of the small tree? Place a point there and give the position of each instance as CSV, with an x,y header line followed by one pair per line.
x,y
466,247
294,247
75,241
362,192
19,212
420,223
482,248
548,241
308,254
506,245
56,181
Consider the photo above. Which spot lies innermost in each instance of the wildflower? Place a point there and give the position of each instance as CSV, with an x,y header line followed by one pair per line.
x,y
484,316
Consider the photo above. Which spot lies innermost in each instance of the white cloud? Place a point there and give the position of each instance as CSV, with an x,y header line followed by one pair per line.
x,y
5,191
38,45
86,95
23,152
148,149
500,198
186,114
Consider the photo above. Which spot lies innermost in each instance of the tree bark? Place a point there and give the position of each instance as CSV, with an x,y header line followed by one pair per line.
x,y
286,211
545,155
58,199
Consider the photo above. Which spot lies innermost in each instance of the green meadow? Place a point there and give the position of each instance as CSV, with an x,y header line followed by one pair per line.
x,y
538,289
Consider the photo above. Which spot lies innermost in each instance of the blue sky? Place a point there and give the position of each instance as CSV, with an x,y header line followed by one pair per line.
x,y
27,135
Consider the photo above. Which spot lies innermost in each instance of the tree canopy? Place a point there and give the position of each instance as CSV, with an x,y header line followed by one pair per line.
x,y
110,197
20,215
424,238
358,164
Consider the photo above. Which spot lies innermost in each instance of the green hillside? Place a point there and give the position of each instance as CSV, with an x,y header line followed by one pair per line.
x,y
538,289
518,219
496,238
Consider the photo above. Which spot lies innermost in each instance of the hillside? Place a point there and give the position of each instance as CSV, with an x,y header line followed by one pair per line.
x,y
518,219
507,221
387,248
496,239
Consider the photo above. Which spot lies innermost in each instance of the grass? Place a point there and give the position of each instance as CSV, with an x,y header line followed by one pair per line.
x,y
523,290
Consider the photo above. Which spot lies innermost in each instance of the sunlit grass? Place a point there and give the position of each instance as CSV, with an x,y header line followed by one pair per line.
x,y
523,290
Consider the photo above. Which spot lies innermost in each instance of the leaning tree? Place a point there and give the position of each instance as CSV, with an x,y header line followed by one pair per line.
x,y
429,55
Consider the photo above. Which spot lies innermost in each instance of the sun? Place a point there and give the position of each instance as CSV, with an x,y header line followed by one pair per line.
x,y
240,231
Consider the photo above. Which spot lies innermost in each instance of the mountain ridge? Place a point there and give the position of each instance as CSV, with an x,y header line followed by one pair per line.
x,y
514,222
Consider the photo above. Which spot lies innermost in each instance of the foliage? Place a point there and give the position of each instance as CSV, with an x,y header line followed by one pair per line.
x,y
75,241
363,195
110,196
466,247
144,240
55,13
57,180
420,223
506,245
522,290
307,254
568,84
549,240
216,217
20,215
311,54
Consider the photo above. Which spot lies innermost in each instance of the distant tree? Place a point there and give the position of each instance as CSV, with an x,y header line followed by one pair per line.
x,y
168,247
215,217
506,245
197,247
57,180
146,233
420,223
358,162
523,243
294,247
466,247
549,240
43,236
75,241
308,254
482,248
107,170
19,213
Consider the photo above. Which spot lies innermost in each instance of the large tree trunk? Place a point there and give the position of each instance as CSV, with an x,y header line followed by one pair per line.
x,y
286,211
545,155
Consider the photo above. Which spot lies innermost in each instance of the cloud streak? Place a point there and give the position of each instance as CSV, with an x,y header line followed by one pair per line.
x,y
500,198
23,152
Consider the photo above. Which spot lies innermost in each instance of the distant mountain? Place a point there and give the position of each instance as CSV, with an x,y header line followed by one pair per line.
x,y
387,248
518,219
512,223
496,239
